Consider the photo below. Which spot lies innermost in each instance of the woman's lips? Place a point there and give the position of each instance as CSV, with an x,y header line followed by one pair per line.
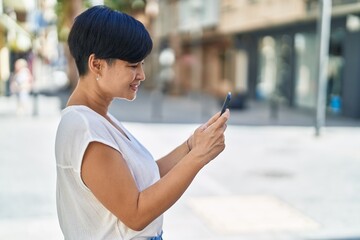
x,y
135,87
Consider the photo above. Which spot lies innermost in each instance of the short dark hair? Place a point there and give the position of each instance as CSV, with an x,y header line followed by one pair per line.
x,y
109,34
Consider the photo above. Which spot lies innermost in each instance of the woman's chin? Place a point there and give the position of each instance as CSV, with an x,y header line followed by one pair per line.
x,y
128,98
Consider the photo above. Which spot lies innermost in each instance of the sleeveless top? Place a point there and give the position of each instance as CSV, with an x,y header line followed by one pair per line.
x,y
81,215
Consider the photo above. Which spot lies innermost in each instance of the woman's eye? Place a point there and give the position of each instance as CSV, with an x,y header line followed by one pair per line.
x,y
136,65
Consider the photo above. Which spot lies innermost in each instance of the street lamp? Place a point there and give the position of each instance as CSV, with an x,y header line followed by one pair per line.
x,y
152,12
323,55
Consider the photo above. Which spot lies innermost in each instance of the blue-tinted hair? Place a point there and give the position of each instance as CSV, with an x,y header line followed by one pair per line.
x,y
109,34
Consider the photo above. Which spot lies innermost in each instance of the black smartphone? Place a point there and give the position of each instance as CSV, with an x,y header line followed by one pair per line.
x,y
226,103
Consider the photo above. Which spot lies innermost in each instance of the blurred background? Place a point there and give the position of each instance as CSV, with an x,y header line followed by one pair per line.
x,y
262,51
292,66
259,50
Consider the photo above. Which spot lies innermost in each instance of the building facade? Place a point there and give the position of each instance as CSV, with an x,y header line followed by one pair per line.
x,y
262,49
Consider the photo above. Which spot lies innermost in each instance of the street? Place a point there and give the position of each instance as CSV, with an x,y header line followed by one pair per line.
x,y
271,182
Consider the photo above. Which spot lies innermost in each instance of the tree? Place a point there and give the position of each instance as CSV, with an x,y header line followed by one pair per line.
x,y
67,10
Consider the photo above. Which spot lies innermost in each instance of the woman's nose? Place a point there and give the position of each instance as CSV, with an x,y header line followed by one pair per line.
x,y
141,73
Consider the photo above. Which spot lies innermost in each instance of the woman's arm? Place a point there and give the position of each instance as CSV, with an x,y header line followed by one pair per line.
x,y
167,162
107,175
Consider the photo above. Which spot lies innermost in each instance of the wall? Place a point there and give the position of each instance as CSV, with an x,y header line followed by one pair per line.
x,y
351,84
242,15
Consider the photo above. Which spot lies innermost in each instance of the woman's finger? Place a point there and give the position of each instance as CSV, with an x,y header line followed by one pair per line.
x,y
212,120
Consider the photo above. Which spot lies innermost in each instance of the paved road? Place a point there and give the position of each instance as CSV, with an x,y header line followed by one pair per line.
x,y
271,182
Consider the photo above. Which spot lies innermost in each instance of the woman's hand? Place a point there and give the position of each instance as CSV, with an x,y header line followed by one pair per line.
x,y
208,141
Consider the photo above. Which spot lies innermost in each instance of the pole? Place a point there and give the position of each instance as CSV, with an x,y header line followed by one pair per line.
x,y
323,33
1,80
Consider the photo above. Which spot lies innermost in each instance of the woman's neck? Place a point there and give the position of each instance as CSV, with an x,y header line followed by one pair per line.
x,y
90,96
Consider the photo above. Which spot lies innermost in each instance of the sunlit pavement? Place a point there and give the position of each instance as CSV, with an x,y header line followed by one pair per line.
x,y
270,182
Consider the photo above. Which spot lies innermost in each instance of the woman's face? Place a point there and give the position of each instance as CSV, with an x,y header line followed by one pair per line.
x,y
121,79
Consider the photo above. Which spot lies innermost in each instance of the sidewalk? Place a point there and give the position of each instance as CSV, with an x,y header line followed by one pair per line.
x,y
197,108
152,107
273,182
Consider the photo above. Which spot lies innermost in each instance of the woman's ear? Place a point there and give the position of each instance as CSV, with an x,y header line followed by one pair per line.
x,y
94,64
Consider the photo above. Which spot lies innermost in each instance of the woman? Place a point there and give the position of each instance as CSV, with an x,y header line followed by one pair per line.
x,y
108,184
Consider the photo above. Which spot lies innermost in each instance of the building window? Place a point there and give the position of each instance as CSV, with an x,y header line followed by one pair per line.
x,y
305,77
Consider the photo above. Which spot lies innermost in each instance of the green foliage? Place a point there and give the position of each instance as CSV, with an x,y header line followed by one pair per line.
x,y
125,5
59,9
122,5
128,6
62,9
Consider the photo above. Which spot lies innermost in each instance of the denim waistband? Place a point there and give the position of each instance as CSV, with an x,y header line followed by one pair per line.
x,y
158,237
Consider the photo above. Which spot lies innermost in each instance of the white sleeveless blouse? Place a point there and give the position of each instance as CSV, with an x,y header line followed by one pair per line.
x,y
80,214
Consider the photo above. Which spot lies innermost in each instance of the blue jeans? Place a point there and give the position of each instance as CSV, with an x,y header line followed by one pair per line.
x,y
159,237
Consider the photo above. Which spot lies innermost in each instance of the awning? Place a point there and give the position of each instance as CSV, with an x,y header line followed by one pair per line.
x,y
20,5
22,39
10,24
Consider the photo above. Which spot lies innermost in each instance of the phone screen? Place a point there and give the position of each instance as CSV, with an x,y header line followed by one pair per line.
x,y
226,103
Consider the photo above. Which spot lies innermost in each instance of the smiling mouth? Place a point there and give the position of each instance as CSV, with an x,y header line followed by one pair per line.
x,y
134,87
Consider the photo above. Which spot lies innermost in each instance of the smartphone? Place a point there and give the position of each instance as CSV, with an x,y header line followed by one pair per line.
x,y
226,103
